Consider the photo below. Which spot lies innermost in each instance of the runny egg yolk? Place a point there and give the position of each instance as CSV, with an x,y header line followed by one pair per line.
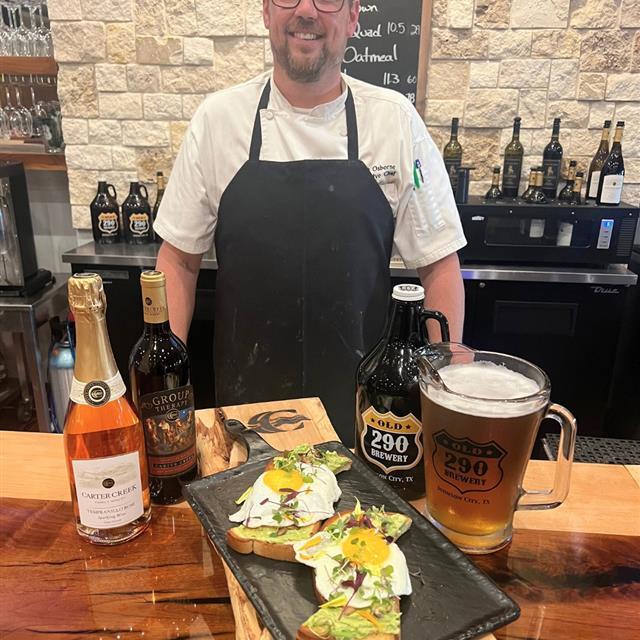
x,y
365,547
280,480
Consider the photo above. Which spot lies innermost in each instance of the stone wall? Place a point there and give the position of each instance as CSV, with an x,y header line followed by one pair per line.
x,y
491,60
132,73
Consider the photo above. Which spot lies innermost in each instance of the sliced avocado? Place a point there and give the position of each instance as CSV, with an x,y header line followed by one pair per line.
x,y
332,623
270,534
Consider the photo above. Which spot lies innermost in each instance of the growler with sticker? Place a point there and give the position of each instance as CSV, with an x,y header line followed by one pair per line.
x,y
388,424
105,215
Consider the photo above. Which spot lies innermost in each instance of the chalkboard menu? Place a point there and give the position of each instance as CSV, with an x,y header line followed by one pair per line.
x,y
386,45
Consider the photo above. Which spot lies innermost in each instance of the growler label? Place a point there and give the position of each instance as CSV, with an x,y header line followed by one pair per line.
x,y
467,465
390,442
108,223
168,418
139,223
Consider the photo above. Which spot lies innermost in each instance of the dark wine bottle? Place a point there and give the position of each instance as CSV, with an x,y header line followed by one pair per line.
x,y
161,388
612,173
494,192
576,192
159,194
136,214
598,160
538,196
551,161
452,154
512,168
526,194
105,218
566,193
388,415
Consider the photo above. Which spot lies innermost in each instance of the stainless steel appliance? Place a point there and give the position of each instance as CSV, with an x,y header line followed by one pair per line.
x,y
513,232
19,273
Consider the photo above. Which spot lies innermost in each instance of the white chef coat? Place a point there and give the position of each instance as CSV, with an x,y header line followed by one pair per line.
x,y
392,137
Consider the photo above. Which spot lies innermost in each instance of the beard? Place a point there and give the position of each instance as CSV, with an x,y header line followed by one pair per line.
x,y
304,69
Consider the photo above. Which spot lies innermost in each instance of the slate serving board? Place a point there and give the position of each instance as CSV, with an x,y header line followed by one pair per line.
x,y
451,599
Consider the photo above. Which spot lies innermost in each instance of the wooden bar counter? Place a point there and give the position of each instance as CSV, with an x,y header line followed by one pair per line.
x,y
575,571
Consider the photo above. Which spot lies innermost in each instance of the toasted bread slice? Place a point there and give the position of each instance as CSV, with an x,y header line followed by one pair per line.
x,y
269,542
319,625
309,454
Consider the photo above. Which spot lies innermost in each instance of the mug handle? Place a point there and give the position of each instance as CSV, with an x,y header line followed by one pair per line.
x,y
111,188
554,497
146,193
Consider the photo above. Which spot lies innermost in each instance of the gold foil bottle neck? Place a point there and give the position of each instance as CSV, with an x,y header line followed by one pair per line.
x,y
152,279
154,297
86,294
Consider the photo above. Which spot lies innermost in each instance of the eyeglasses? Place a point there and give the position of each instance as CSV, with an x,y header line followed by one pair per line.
x,y
324,6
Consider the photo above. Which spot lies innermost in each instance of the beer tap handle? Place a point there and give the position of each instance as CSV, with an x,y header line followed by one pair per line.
x,y
428,314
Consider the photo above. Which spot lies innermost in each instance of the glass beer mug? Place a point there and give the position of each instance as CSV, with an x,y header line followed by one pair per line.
x,y
480,416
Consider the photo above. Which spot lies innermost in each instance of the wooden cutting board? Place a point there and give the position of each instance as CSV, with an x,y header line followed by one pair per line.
x,y
283,425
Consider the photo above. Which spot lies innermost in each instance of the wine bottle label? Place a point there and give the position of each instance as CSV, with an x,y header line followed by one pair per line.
x,y
551,174
536,230
612,189
168,419
109,490
565,233
97,392
511,173
390,442
108,223
593,185
139,224
452,169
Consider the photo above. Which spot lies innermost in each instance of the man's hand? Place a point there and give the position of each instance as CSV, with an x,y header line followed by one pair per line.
x,y
181,270
444,292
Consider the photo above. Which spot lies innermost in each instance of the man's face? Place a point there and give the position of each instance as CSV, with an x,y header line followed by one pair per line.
x,y
306,42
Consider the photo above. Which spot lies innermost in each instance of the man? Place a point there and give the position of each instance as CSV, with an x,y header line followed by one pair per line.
x,y
306,180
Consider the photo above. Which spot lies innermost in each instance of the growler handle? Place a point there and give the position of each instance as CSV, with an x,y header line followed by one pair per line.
x,y
554,497
428,314
146,193
111,188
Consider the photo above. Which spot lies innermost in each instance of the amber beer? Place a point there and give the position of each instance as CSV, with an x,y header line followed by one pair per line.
x,y
479,425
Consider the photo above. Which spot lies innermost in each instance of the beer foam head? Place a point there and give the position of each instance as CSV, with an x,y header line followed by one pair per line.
x,y
485,389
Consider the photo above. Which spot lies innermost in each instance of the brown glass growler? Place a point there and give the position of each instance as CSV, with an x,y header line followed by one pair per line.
x,y
388,424
136,215
105,218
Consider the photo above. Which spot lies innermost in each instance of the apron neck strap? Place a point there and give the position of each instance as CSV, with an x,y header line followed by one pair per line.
x,y
350,112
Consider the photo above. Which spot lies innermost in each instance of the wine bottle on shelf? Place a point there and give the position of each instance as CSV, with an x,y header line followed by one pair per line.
x,y
598,160
576,193
160,179
512,168
566,193
105,215
161,388
612,172
526,194
494,192
452,154
551,161
136,214
103,438
538,196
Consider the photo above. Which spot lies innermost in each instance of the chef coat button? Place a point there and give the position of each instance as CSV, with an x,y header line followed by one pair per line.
x,y
268,115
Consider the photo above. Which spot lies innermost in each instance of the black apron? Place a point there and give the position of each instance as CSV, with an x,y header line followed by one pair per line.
x,y
302,289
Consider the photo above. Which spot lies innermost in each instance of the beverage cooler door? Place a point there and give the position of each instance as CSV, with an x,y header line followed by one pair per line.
x,y
571,331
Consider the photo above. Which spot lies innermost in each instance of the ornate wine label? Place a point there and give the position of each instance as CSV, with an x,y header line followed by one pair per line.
x,y
551,174
511,173
390,442
168,419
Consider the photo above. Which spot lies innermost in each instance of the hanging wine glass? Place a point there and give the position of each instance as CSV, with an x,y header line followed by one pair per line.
x,y
21,42
27,121
37,111
6,33
13,116
44,39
